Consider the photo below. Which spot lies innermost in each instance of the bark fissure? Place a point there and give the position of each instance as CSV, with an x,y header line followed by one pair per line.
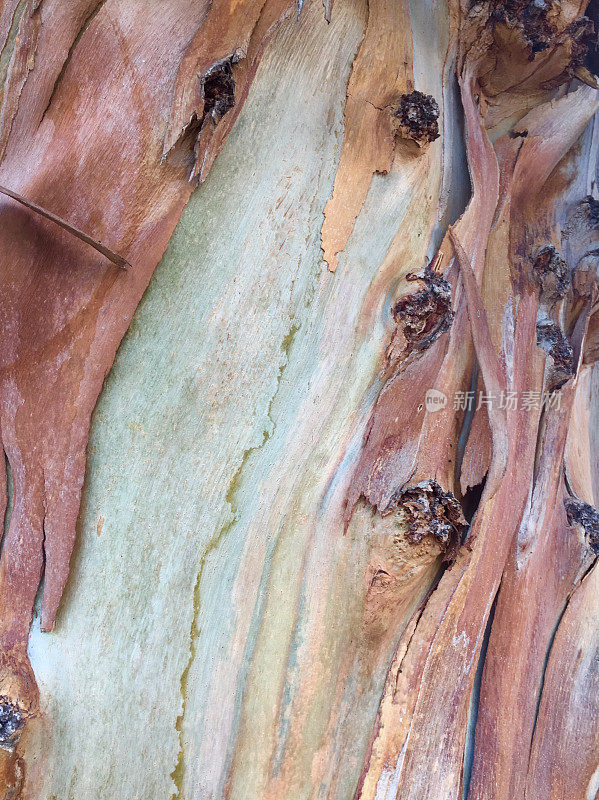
x,y
539,692
479,571
474,704
64,311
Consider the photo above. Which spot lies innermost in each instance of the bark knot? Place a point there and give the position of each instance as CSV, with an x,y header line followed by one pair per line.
x,y
553,341
418,115
581,35
532,27
12,720
590,208
530,18
552,273
219,91
425,314
583,514
427,510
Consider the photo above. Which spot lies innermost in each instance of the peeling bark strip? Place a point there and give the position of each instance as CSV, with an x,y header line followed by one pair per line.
x,y
93,154
381,73
418,742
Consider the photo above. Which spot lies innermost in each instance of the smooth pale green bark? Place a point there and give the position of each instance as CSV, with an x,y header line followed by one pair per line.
x,y
214,601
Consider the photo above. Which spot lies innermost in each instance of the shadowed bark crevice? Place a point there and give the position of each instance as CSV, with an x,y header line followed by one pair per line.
x,y
555,343
424,315
474,704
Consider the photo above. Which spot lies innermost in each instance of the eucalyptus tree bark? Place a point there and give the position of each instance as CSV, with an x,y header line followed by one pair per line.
x,y
298,400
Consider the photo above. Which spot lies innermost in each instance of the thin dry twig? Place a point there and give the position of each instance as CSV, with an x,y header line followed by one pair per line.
x,y
116,259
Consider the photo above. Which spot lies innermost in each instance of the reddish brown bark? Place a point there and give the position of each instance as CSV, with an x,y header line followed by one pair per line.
x,y
520,538
82,134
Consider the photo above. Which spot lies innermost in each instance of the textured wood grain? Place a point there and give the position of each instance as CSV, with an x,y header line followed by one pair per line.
x,y
254,540
419,739
81,136
249,614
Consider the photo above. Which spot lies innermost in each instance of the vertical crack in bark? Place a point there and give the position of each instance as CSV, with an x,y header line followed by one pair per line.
x,y
446,642
65,312
21,63
569,703
474,704
543,673
178,773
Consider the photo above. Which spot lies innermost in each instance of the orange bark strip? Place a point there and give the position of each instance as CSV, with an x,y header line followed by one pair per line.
x,y
382,71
